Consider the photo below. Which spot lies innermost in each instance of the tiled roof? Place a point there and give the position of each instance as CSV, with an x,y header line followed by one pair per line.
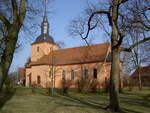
x,y
144,72
77,55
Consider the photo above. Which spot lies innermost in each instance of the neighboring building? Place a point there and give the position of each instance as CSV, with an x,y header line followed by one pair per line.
x,y
144,74
48,62
21,76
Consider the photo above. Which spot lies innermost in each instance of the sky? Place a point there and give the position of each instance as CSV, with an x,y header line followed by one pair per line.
x,y
64,12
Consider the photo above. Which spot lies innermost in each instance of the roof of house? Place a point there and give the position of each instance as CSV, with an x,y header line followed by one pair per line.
x,y
76,55
144,72
20,69
21,72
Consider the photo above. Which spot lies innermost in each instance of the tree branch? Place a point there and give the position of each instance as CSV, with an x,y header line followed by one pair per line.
x,y
22,10
90,19
134,45
122,1
15,9
4,20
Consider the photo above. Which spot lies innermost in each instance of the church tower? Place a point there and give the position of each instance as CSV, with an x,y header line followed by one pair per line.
x,y
44,43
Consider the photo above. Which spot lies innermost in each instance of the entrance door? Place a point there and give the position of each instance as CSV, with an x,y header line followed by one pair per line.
x,y
30,79
38,80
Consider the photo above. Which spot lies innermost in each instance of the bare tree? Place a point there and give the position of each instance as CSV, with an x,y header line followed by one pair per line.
x,y
137,26
119,21
14,18
137,57
53,69
11,37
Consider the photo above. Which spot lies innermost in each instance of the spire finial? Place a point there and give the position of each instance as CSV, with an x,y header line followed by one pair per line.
x,y
45,24
46,1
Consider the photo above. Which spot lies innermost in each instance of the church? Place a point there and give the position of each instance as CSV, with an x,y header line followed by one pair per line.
x,y
49,65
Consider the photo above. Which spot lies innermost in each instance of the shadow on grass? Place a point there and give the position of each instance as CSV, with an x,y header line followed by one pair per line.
x,y
84,103
96,105
142,101
129,111
4,97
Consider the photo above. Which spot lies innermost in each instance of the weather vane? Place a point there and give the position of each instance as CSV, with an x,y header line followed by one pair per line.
x,y
46,1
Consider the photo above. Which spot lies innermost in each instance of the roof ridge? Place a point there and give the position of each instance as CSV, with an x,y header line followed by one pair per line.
x,y
80,47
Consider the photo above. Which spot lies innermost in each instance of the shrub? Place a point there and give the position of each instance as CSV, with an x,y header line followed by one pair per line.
x,y
106,85
66,85
92,85
10,84
33,87
80,84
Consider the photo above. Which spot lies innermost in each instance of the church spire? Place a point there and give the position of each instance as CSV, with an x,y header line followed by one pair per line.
x,y
44,36
45,24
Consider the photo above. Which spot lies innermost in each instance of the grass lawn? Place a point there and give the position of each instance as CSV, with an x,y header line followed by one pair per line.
x,y
24,101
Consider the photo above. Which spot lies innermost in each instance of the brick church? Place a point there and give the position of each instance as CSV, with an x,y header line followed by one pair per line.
x,y
49,65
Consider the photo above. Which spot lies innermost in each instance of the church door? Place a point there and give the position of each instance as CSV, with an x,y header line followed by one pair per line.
x,y
30,79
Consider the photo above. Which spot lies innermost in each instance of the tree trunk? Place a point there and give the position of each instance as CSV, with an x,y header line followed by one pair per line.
x,y
115,52
52,87
114,101
12,30
7,59
139,77
120,78
52,83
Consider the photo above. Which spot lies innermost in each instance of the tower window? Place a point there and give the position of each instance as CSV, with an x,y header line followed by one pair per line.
x,y
95,73
72,74
38,49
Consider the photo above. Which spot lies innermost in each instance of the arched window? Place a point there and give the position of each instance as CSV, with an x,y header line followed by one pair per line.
x,y
63,75
95,73
38,79
85,74
72,74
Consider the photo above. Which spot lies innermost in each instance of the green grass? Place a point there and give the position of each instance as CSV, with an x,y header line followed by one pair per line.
x,y
24,101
